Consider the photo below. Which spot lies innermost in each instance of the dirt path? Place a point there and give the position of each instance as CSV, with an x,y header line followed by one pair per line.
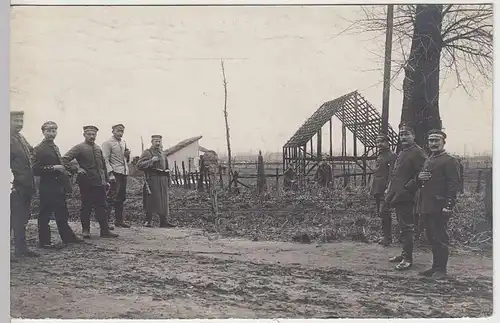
x,y
153,273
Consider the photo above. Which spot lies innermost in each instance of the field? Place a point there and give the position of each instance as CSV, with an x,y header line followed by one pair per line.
x,y
305,254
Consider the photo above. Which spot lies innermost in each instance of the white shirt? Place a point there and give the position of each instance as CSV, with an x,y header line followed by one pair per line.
x,y
113,151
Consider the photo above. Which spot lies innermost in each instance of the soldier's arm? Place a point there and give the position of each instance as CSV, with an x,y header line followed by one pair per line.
x,y
38,167
72,154
106,153
452,174
145,161
418,163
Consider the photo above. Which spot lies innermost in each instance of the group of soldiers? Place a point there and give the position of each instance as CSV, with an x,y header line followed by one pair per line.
x,y
411,182
420,187
101,174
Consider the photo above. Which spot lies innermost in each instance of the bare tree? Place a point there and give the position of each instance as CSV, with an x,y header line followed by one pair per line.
x,y
229,168
444,40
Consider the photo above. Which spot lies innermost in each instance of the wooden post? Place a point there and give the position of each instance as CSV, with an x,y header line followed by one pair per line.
x,y
277,178
184,175
207,179
488,197
201,178
478,186
387,70
319,144
235,179
220,177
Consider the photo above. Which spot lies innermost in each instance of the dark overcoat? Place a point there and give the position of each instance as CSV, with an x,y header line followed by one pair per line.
x,y
408,164
53,184
155,201
441,189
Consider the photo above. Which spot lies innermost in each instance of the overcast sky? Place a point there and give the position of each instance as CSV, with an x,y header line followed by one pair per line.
x,y
157,70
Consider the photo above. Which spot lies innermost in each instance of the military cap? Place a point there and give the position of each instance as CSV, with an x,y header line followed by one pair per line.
x,y
118,126
49,125
406,127
90,127
153,137
436,133
383,136
16,113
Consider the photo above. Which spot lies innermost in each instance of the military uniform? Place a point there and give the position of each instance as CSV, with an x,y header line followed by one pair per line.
x,y
155,189
92,184
23,188
437,193
54,185
383,166
401,195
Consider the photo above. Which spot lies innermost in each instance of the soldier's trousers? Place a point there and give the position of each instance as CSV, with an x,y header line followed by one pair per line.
x,y
54,205
436,226
384,213
116,196
20,204
94,197
405,215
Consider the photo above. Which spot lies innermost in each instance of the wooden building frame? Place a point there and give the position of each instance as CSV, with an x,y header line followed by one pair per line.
x,y
356,115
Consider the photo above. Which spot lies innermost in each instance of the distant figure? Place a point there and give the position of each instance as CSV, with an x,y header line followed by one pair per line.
x,y
289,179
155,191
324,174
116,156
439,183
383,166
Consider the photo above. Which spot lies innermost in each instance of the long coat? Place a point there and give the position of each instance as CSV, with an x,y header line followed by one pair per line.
x,y
21,157
385,162
53,184
156,199
408,164
442,188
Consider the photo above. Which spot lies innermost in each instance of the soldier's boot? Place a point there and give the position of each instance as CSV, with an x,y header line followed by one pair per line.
x,y
404,265
386,230
26,253
396,259
427,273
108,235
86,234
119,218
149,220
164,223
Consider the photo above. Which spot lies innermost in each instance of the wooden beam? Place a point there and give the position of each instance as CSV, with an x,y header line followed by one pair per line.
x,y
319,144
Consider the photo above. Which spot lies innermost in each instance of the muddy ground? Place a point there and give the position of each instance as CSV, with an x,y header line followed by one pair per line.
x,y
152,273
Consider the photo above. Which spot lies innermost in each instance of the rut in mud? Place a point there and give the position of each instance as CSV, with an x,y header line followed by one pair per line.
x,y
181,273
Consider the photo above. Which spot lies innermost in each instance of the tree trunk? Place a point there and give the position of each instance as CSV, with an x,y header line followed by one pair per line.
x,y
421,84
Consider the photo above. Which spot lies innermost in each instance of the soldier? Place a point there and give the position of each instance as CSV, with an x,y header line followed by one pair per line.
x,y
401,196
289,179
54,185
155,191
324,174
23,184
116,156
93,181
384,164
439,183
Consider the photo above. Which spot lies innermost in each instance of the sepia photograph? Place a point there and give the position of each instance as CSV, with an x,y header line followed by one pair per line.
x,y
251,161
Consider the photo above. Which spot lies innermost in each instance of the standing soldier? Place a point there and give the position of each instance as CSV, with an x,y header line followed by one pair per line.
x,y
54,185
383,166
439,183
401,196
116,156
324,174
23,185
92,180
155,191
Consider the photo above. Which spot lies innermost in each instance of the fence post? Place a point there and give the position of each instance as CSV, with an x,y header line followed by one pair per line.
x,y
220,177
478,186
488,197
201,178
277,179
